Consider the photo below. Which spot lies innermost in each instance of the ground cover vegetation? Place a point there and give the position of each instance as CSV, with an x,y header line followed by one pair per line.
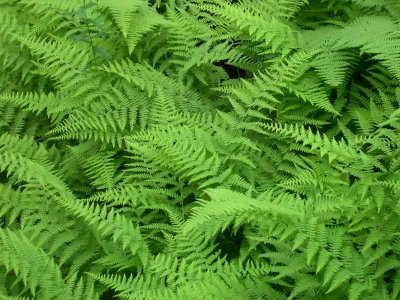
x,y
199,149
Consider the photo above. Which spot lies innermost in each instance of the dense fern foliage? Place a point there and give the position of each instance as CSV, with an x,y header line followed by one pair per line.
x,y
201,149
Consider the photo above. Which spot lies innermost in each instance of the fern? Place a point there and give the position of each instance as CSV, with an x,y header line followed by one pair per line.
x,y
201,149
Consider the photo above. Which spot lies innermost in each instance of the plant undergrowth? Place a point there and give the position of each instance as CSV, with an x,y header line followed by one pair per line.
x,y
200,149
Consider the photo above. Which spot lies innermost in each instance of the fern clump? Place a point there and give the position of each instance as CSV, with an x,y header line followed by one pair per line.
x,y
202,149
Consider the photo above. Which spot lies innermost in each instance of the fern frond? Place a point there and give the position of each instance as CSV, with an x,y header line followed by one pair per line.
x,y
42,276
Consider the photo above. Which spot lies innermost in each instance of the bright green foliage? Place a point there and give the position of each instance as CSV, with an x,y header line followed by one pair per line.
x,y
201,149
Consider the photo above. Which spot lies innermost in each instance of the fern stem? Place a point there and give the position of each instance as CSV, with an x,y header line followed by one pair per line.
x,y
90,36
